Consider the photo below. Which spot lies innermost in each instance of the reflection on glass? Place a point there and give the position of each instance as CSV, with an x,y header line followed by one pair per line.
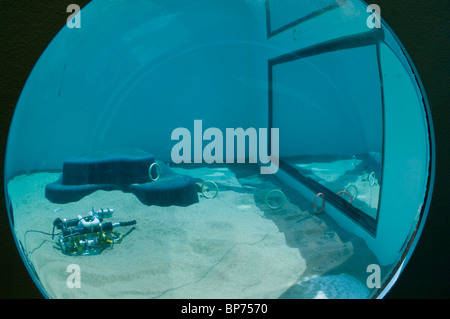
x,y
357,178
338,130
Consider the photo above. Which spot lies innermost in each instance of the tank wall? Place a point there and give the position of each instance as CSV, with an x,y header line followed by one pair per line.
x,y
129,81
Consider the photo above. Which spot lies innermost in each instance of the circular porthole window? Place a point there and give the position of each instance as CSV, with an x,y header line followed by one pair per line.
x,y
220,149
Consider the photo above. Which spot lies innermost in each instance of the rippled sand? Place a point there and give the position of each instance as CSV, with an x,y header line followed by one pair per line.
x,y
232,246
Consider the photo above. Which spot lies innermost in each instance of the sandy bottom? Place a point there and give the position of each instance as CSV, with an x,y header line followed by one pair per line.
x,y
233,246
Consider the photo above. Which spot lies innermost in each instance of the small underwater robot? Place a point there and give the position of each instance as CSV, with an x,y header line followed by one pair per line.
x,y
88,235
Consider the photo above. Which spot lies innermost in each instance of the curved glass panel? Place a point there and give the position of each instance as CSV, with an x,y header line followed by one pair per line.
x,y
220,149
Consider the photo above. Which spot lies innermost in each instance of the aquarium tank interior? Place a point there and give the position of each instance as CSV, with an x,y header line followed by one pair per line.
x,y
238,149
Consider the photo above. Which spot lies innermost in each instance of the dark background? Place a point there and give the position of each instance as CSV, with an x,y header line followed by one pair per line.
x,y
27,27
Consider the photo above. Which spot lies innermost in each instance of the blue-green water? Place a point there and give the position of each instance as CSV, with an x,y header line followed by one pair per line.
x,y
123,126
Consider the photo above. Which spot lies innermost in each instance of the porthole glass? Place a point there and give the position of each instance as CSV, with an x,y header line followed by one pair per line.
x,y
220,149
